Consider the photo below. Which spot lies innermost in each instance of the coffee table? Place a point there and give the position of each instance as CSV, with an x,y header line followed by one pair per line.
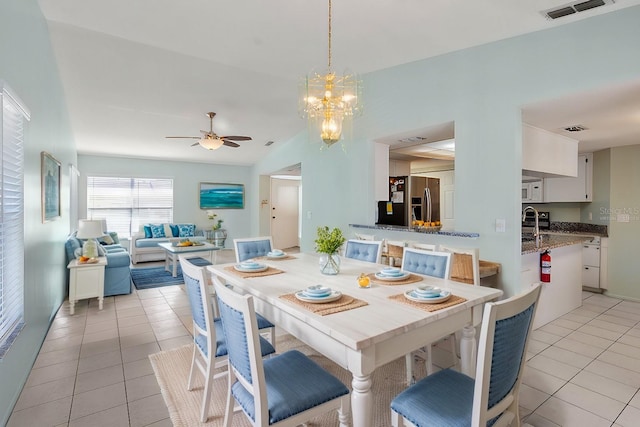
x,y
172,254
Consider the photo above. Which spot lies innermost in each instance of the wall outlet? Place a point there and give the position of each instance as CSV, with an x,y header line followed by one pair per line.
x,y
590,216
501,225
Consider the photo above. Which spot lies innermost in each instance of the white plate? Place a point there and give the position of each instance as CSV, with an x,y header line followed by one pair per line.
x,y
242,269
411,295
335,295
404,275
273,256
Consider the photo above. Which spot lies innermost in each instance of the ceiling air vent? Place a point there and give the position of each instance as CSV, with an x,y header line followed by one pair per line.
x,y
575,128
572,8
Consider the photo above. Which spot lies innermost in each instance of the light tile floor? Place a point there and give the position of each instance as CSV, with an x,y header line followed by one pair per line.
x,y
583,369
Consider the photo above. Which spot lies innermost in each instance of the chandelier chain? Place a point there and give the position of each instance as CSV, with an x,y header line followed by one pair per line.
x,y
329,36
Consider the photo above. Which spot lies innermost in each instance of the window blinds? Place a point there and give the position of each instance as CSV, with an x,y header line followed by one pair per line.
x,y
12,118
128,203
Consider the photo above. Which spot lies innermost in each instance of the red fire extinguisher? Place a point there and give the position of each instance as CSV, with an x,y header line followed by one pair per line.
x,y
545,266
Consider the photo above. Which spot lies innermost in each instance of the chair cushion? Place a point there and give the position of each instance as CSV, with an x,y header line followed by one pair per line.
x,y
362,251
295,383
444,399
263,323
429,265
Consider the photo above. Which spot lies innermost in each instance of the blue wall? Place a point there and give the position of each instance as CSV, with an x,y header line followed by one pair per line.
x,y
482,90
28,66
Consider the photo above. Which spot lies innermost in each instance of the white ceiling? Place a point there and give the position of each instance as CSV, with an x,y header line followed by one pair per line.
x,y
136,71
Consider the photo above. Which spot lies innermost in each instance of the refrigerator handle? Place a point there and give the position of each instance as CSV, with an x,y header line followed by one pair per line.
x,y
427,198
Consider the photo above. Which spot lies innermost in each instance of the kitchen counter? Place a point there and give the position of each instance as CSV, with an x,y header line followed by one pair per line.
x,y
411,230
551,241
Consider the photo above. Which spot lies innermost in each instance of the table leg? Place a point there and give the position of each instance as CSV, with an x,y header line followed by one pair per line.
x,y
174,271
100,303
362,401
167,255
468,351
72,305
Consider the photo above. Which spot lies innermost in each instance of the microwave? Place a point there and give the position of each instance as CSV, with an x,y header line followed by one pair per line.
x,y
532,191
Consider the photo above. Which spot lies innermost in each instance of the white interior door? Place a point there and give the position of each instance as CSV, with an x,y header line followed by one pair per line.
x,y
285,212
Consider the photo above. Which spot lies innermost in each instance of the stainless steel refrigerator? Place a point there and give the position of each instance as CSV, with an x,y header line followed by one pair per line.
x,y
424,196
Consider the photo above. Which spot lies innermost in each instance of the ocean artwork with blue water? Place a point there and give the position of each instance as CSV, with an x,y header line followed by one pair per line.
x,y
221,196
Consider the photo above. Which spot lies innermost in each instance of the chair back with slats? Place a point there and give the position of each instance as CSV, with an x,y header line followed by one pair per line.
x,y
504,337
429,263
364,250
252,247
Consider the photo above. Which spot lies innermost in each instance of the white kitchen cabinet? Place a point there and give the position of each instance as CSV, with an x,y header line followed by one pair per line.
x,y
578,189
545,153
604,263
399,168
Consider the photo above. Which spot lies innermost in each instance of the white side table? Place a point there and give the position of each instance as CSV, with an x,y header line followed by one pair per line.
x,y
86,281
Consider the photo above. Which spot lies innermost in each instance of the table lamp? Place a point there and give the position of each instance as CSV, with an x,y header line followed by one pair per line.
x,y
89,230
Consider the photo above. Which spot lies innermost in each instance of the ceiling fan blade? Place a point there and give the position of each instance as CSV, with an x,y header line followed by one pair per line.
x,y
195,143
237,138
230,144
184,137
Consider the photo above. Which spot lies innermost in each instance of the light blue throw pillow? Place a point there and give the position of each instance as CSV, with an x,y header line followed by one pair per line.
x,y
186,230
157,230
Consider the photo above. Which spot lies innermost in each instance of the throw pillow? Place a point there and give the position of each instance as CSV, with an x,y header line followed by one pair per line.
x,y
147,231
186,230
175,232
157,230
106,240
114,236
167,230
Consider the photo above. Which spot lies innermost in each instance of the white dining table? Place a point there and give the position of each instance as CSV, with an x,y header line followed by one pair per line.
x,y
364,338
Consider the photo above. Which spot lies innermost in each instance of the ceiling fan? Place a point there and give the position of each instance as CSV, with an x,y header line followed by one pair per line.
x,y
210,140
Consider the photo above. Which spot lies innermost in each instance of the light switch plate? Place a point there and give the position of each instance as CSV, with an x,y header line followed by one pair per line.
x,y
501,225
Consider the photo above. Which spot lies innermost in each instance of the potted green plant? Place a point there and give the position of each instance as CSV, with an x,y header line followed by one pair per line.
x,y
328,242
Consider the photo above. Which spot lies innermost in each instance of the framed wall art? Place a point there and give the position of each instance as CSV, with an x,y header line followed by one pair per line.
x,y
50,172
221,196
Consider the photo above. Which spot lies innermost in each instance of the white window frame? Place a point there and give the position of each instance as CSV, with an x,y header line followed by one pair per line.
x,y
13,118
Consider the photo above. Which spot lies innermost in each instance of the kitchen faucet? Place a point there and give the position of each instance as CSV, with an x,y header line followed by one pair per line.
x,y
536,229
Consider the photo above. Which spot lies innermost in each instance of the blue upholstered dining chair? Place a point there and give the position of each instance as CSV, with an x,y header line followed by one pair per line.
x,y
284,390
364,250
428,263
454,399
210,348
252,247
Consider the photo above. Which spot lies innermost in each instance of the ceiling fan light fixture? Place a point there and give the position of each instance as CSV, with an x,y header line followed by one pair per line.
x,y
329,100
211,143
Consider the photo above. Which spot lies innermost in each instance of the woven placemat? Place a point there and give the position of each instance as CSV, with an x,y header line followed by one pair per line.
x,y
280,258
268,272
345,303
454,300
412,278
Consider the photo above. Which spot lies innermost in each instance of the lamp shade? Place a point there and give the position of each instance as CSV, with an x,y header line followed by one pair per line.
x,y
211,143
89,229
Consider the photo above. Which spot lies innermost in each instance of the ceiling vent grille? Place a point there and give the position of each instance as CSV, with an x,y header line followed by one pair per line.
x,y
575,128
572,8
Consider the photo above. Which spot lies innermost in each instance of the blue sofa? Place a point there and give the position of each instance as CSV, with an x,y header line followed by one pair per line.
x,y
117,273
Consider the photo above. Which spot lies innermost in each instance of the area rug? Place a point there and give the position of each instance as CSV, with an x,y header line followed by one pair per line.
x,y
171,368
153,277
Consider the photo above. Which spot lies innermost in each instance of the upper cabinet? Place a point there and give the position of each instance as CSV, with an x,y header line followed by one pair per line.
x,y
546,154
578,189
399,168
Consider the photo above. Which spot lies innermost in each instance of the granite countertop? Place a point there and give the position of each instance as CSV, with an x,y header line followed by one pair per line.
x,y
551,241
415,230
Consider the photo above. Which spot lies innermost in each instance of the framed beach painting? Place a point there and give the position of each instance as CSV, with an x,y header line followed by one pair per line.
x,y
50,187
221,196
